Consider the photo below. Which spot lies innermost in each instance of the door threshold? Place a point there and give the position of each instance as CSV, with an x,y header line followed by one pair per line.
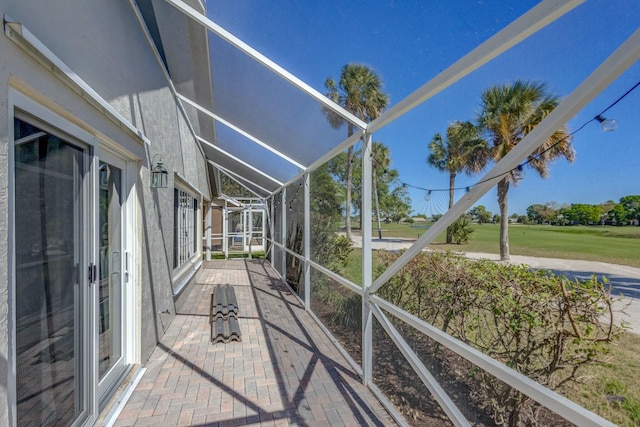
x,y
120,397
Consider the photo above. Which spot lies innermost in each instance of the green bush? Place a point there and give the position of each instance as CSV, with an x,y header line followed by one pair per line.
x,y
461,230
327,247
541,325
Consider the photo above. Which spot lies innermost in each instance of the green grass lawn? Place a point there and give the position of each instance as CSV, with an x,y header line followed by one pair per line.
x,y
612,388
616,245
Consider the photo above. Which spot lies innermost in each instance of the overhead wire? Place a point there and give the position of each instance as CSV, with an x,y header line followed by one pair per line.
x,y
516,169
520,167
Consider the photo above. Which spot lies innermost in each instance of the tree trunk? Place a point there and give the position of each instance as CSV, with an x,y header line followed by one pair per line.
x,y
375,194
347,207
503,202
452,185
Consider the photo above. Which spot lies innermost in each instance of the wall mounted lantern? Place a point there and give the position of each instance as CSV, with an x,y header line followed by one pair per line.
x,y
159,175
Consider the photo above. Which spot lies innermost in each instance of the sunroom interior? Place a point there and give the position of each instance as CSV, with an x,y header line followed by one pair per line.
x,y
266,131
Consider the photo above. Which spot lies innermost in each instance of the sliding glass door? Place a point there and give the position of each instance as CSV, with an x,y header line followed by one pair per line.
x,y
70,272
51,277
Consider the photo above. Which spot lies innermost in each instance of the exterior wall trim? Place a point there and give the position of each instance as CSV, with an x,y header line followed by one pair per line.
x,y
22,37
183,182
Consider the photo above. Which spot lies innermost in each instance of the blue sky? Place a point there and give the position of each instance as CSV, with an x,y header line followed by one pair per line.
x,y
409,42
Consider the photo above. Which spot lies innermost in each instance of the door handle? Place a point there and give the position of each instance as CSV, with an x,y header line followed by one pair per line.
x,y
93,273
127,255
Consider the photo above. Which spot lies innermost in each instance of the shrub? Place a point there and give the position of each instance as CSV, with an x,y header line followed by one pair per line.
x,y
461,230
543,326
327,247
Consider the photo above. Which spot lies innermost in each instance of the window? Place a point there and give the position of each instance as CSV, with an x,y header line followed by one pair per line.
x,y
184,228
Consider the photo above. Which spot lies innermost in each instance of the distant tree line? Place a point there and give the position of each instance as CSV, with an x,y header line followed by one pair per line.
x,y
625,212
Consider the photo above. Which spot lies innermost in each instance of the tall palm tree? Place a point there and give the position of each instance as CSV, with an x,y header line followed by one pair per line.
x,y
463,151
359,91
381,163
509,112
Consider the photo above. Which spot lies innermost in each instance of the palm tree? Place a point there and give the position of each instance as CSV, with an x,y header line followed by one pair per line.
x,y
359,91
463,151
381,162
509,112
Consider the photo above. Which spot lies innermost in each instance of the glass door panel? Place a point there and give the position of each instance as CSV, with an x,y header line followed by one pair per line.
x,y
235,227
109,295
50,264
257,231
110,278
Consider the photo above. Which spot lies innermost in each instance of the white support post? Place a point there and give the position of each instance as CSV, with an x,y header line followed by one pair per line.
x,y
272,228
207,232
307,242
250,230
225,230
283,236
365,227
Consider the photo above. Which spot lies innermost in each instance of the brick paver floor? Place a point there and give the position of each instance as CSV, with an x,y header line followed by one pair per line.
x,y
285,371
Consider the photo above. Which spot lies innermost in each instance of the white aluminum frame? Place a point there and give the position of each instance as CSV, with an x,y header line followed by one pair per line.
x,y
535,19
550,399
439,394
627,54
623,57
241,132
242,162
236,177
260,58
372,305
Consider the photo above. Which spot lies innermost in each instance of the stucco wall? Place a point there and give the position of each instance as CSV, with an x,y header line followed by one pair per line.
x,y
103,43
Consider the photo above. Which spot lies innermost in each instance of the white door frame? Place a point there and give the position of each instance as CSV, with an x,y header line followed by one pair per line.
x,y
96,150
51,121
127,315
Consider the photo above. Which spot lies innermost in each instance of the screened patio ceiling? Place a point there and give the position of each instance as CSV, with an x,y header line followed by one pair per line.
x,y
271,127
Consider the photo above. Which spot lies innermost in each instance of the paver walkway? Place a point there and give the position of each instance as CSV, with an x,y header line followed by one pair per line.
x,y
284,372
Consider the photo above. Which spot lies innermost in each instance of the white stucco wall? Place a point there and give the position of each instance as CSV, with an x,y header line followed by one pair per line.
x,y
102,42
